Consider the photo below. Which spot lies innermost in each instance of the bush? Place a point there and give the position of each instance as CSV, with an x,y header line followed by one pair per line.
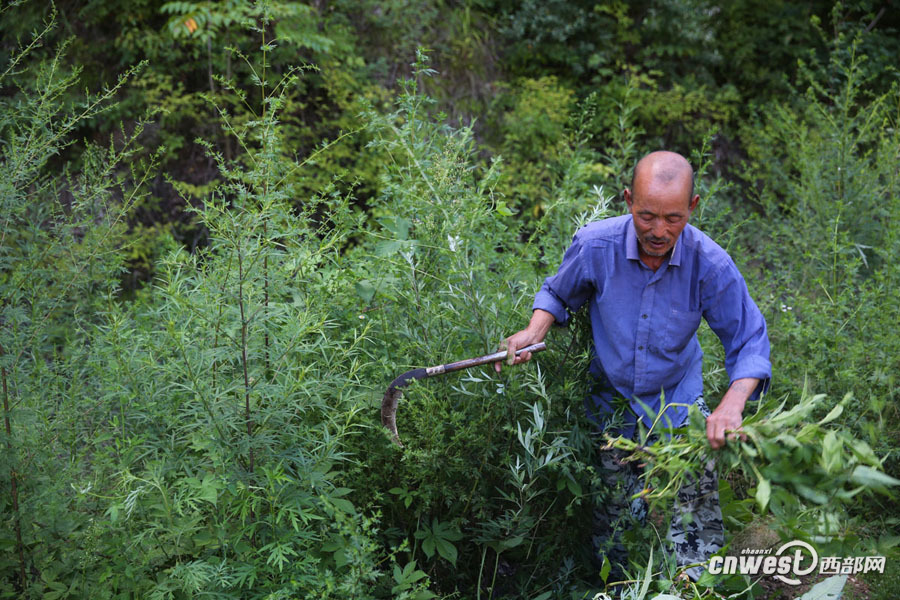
x,y
189,443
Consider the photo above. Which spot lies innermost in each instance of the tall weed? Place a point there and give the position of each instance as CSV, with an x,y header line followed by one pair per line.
x,y
823,249
248,392
827,235
61,233
189,443
492,465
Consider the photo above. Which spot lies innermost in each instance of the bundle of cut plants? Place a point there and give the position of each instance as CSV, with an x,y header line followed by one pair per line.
x,y
795,459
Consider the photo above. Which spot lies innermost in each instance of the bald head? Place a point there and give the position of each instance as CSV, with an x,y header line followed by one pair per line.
x,y
665,169
661,200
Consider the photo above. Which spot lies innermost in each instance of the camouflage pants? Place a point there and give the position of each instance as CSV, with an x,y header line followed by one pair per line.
x,y
696,530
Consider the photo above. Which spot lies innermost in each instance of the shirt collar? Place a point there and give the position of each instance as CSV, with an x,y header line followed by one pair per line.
x,y
631,242
675,258
631,246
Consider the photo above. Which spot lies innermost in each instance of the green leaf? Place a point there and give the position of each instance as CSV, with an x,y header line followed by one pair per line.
x,y
509,543
864,452
829,589
341,559
833,414
344,505
341,504
446,550
428,547
503,209
887,542
204,538
365,290
446,531
411,574
438,538
771,451
278,554
811,493
573,486
398,226
605,569
648,575
696,419
831,453
749,449
407,579
209,490
872,478
763,493
388,247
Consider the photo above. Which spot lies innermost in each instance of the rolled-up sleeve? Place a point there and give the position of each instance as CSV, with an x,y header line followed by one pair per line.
x,y
567,290
741,327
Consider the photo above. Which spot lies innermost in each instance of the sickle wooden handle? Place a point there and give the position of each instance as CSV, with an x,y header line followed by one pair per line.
x,y
481,360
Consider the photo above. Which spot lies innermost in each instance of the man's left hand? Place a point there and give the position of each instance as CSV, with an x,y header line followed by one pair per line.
x,y
726,419
720,423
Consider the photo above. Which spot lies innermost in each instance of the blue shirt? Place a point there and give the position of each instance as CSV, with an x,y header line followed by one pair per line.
x,y
644,322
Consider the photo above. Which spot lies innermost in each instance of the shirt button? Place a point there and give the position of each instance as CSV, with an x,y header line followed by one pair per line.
x,y
640,347
643,316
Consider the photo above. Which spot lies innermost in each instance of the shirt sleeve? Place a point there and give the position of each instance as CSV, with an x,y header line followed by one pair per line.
x,y
565,292
741,327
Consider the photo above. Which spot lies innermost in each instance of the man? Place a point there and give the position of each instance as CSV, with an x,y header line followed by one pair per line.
x,y
648,277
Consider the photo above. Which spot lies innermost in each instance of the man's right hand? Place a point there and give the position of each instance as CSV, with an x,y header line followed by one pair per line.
x,y
537,329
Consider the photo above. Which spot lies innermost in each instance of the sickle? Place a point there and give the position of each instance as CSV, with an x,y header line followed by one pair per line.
x,y
395,390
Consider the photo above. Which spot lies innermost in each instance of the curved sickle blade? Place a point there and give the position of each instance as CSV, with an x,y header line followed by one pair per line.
x,y
392,398
395,390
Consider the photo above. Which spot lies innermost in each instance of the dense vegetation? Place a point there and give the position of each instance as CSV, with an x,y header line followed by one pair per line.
x,y
226,227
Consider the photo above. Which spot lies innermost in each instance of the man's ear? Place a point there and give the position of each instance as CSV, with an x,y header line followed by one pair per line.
x,y
627,195
693,203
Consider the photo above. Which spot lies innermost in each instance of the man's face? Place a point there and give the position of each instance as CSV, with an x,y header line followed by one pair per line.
x,y
660,212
